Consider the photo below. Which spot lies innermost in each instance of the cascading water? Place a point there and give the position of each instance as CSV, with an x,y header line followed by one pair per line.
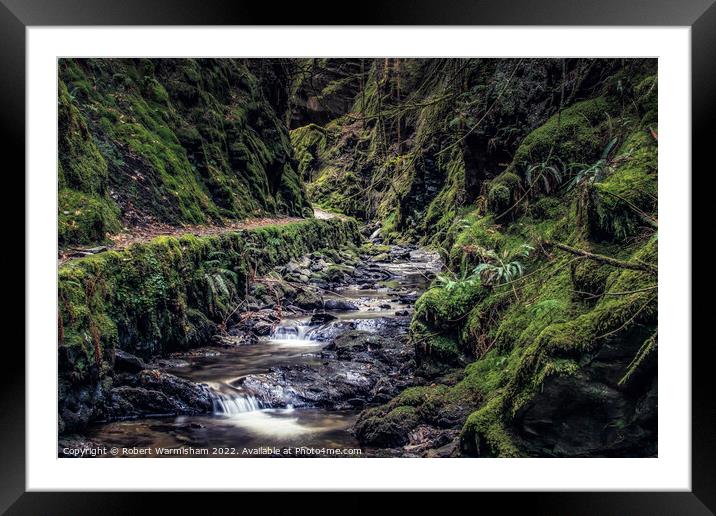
x,y
228,404
293,334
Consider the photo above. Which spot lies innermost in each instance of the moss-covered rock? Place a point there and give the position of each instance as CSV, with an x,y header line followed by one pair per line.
x,y
574,135
388,429
503,192
309,143
578,353
86,212
177,140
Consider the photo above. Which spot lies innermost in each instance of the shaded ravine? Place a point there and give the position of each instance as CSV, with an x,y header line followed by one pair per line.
x,y
305,383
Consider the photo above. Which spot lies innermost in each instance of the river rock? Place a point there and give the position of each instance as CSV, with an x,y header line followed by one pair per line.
x,y
154,392
125,362
391,430
308,299
409,299
258,323
339,304
321,318
359,367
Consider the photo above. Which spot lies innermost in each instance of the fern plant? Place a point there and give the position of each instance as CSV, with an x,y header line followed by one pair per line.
x,y
221,283
450,281
594,173
545,176
503,267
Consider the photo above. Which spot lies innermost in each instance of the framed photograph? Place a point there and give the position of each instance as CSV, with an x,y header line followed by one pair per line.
x,y
272,252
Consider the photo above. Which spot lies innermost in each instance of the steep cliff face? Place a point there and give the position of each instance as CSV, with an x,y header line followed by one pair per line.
x,y
325,89
164,140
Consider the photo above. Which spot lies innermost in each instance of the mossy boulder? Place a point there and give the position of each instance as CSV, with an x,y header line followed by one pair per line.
x,y
386,430
503,192
444,307
577,134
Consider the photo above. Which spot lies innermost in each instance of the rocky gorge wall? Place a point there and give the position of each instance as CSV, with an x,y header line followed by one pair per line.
x,y
177,141
166,295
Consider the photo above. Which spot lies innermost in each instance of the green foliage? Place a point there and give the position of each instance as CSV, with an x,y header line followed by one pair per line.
x,y
544,177
572,136
595,173
502,267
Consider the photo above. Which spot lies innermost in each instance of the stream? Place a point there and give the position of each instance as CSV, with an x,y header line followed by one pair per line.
x,y
303,384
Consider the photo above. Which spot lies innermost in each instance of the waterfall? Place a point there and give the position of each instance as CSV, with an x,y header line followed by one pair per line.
x,y
293,334
227,404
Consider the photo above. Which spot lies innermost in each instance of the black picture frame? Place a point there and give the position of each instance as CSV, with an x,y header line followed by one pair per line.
x,y
700,15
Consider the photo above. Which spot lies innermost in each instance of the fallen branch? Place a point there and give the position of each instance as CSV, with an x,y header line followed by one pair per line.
x,y
645,267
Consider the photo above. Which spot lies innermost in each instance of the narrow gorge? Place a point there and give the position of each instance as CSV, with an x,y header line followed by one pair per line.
x,y
358,257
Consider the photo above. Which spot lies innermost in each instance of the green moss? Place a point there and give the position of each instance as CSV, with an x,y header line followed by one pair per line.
x,y
434,352
338,190
85,218
309,143
85,211
629,193
373,249
589,278
469,238
180,141
503,192
576,135
443,308
548,208
485,435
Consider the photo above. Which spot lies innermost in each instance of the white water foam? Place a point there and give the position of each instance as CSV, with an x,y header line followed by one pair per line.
x,y
293,335
232,404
